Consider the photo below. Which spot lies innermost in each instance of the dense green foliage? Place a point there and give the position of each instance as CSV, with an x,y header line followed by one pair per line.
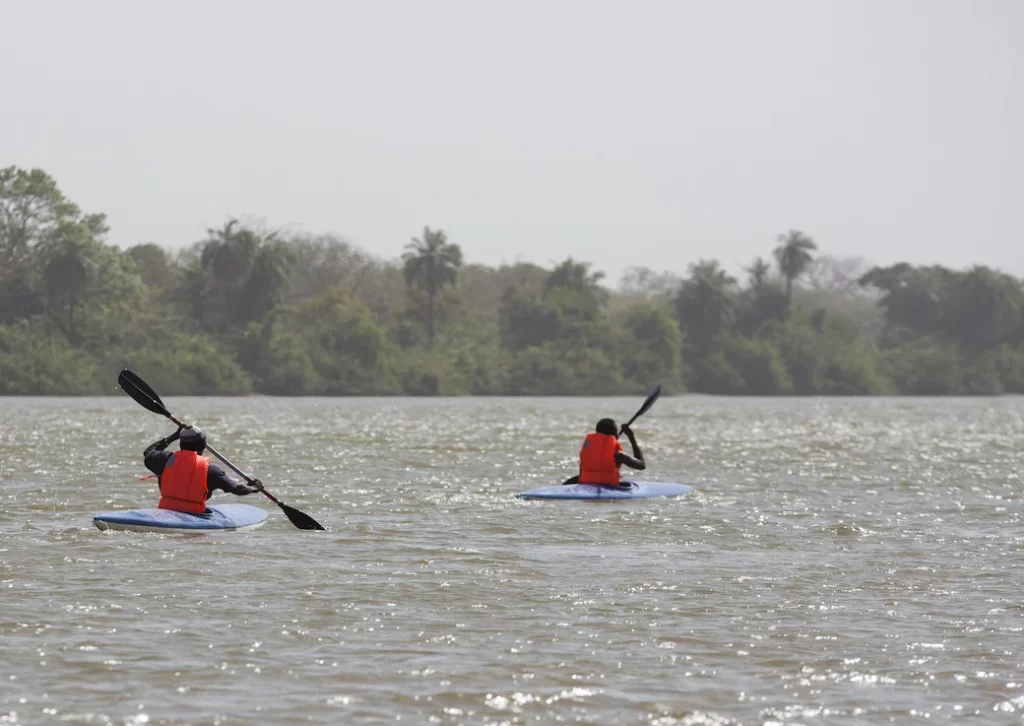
x,y
249,311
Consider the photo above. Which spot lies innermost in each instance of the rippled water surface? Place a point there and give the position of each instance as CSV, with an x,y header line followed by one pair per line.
x,y
849,561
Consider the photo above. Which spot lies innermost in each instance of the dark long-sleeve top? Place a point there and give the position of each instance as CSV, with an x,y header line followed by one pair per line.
x,y
216,478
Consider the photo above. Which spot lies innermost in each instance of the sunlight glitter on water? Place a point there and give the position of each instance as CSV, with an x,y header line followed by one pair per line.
x,y
848,561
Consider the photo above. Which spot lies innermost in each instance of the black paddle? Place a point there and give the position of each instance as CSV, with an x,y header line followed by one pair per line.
x,y
654,396
146,397
651,398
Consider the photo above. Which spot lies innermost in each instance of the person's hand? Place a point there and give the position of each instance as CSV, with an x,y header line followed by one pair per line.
x,y
168,440
627,430
257,485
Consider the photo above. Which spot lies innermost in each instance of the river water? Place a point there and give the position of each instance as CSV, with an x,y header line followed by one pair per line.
x,y
842,561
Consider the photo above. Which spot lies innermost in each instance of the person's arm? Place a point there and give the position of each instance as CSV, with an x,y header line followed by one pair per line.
x,y
154,457
636,461
156,461
217,478
161,444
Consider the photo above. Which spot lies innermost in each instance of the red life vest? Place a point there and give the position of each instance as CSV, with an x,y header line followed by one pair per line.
x,y
597,459
183,483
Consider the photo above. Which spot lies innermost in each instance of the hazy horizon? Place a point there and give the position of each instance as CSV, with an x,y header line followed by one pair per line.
x,y
648,133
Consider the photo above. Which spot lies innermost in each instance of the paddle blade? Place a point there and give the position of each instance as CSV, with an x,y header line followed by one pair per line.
x,y
141,392
654,395
299,519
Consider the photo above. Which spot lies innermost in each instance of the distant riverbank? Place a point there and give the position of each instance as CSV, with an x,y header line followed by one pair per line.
x,y
249,310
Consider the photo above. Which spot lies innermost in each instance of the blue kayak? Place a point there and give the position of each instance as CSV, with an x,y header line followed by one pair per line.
x,y
636,490
221,518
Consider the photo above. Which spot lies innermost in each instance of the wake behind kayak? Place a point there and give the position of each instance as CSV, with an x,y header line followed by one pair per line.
x,y
221,518
637,490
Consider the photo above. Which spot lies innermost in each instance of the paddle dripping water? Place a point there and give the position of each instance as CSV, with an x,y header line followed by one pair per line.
x,y
839,562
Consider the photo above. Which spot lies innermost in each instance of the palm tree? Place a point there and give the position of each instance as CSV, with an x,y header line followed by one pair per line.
x,y
758,272
268,278
793,255
706,304
430,264
230,252
249,272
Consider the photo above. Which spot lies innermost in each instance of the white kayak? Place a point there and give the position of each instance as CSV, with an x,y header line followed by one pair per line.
x,y
635,490
220,518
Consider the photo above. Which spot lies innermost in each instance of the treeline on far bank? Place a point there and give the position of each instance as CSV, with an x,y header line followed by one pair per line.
x,y
247,310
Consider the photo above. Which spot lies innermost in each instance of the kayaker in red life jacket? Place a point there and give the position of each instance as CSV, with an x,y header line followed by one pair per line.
x,y
187,477
601,456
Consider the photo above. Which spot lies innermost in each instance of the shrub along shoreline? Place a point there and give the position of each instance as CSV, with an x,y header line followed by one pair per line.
x,y
250,311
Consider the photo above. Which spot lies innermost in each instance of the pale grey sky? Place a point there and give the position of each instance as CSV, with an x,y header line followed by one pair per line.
x,y
641,131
